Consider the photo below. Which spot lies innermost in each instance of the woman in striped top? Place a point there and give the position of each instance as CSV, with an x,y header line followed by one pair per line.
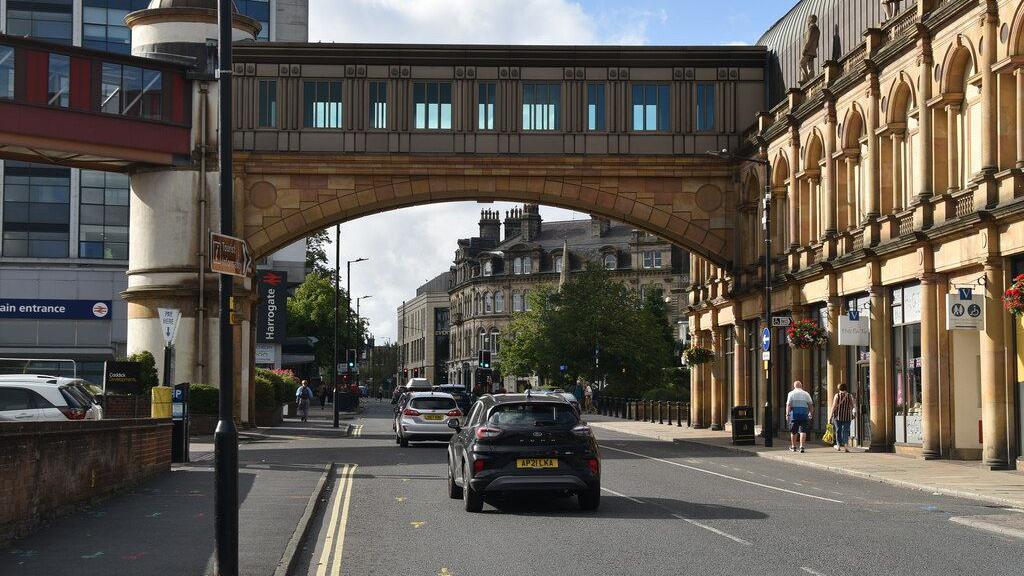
x,y
842,414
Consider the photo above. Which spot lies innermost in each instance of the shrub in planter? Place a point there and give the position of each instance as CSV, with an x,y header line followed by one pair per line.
x,y
695,355
266,400
203,399
804,334
1013,298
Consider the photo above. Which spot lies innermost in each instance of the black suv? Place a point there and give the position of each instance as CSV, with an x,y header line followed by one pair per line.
x,y
522,442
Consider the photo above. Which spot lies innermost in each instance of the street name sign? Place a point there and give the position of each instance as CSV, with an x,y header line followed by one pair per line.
x,y
965,310
854,329
229,255
169,320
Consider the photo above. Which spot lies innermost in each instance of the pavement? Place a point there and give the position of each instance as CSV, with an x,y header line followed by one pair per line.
x,y
668,508
949,477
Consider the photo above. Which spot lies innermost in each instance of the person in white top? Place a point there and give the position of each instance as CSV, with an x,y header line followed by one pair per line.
x,y
799,406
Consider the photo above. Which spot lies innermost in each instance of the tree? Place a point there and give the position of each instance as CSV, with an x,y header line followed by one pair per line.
x,y
311,313
594,327
316,253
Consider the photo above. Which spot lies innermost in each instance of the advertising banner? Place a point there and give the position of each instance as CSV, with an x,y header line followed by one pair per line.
x,y
122,377
272,316
55,309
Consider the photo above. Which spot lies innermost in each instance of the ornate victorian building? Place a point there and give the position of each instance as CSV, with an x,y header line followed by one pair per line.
x,y
896,143
494,273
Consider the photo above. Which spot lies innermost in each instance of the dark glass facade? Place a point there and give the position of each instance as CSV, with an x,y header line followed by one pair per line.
x,y
258,10
103,25
37,211
48,20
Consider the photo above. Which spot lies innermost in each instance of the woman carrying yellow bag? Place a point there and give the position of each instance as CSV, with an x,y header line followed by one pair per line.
x,y
842,413
829,437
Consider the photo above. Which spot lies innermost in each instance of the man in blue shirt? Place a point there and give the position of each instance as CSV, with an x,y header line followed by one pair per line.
x,y
799,406
303,395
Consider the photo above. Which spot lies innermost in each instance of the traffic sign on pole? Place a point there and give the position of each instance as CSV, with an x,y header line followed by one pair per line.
x,y
229,255
766,339
169,319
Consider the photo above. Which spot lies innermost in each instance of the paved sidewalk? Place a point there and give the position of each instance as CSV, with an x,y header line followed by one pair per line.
x,y
166,525
953,478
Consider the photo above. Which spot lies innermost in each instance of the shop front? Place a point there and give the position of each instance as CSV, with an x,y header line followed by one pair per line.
x,y
818,375
905,312
858,376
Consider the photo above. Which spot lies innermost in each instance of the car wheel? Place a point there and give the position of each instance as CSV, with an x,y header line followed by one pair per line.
x,y
403,442
472,499
454,490
590,498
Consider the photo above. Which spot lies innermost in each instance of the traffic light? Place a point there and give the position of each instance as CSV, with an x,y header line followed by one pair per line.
x,y
351,357
485,359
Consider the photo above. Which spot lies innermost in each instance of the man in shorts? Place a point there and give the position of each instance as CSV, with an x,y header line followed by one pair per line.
x,y
799,406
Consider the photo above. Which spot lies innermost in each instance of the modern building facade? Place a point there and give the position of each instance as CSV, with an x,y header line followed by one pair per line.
x,y
423,328
64,230
896,143
493,274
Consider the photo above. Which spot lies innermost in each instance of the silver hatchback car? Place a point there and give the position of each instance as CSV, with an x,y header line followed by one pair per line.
x,y
424,416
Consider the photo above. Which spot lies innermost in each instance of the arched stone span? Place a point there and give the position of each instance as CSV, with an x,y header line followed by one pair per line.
x,y
685,200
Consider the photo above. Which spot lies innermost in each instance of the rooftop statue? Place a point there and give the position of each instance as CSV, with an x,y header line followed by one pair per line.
x,y
810,49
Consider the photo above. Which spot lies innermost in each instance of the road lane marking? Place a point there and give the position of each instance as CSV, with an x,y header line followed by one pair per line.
x,y
678,517
694,468
334,541
714,530
811,572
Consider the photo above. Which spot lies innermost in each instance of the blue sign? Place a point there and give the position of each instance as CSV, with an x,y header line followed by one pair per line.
x,y
766,339
965,293
55,309
854,315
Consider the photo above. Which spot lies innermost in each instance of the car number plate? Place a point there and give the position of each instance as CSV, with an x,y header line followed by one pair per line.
x,y
537,463
433,417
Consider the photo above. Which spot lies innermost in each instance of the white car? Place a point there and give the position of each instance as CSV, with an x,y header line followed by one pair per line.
x,y
424,416
34,398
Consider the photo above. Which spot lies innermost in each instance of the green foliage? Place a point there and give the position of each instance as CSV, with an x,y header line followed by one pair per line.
x,y
592,317
203,399
666,394
311,313
149,377
265,395
282,384
316,252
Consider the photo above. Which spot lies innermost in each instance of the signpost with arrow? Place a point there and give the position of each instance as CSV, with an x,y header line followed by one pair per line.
x,y
169,320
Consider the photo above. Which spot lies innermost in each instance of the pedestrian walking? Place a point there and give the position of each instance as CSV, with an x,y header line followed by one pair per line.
x,y
799,406
588,398
303,394
323,396
843,408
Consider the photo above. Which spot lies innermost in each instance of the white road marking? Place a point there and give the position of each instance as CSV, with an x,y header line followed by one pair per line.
x,y
694,468
683,518
810,571
620,495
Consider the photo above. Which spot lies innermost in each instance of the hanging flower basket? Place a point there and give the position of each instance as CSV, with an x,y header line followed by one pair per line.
x,y
1013,298
696,355
806,334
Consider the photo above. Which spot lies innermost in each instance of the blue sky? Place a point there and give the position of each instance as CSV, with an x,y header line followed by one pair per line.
x,y
410,246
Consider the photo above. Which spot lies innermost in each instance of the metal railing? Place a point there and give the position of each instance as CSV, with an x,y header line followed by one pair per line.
x,y
665,412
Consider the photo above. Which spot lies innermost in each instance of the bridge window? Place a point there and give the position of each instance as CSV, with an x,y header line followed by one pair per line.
x,y
323,104
6,72
379,104
650,107
49,20
268,103
103,25
131,91
36,210
652,258
433,102
485,108
59,81
258,10
705,107
595,107
103,218
541,106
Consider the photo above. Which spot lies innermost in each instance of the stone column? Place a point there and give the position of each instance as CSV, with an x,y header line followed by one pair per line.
x,y
871,175
828,223
897,171
1019,75
793,193
930,444
923,150
877,368
995,447
989,106
836,353
814,220
717,380
741,378
852,217
798,357
952,167
696,381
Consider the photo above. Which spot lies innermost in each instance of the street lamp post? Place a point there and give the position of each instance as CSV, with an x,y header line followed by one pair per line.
x,y
766,227
334,334
359,343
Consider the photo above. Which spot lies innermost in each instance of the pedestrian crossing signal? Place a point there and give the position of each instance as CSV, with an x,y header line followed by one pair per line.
x,y
351,357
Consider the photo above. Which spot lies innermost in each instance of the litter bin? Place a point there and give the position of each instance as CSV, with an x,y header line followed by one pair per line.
x,y
742,425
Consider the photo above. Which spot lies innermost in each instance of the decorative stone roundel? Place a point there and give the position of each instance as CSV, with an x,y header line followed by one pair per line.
x,y
1004,33
708,198
263,195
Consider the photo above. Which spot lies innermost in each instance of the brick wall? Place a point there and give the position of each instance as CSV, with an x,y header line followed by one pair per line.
x,y
50,468
136,406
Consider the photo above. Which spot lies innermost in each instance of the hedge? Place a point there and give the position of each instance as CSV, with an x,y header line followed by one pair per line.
x,y
266,398
203,399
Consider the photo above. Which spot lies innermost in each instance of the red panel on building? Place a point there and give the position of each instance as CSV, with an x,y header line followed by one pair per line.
x,y
37,70
81,84
177,98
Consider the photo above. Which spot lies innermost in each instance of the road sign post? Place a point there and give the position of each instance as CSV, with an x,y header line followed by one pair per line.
x,y
169,320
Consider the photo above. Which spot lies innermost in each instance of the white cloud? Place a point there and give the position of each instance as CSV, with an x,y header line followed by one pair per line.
x,y
451,21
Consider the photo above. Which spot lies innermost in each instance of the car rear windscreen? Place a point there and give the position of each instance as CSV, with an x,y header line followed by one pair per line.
x,y
432,403
537,414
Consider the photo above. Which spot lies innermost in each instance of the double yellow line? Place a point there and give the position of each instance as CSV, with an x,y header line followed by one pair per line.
x,y
334,541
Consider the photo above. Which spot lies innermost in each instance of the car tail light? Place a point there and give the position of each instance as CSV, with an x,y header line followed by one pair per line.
x,y
478,466
74,413
455,413
582,430
594,465
410,412
484,433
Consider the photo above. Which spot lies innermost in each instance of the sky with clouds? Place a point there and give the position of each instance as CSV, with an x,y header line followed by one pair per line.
x,y
407,247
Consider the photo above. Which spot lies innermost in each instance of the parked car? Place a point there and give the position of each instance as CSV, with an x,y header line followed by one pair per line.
x,y
33,398
426,416
523,442
462,396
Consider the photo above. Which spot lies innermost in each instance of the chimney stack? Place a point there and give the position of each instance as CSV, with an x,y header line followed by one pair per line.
x,y
490,226
599,226
530,222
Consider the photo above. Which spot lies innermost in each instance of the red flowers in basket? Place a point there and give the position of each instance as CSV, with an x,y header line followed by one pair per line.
x,y
1013,298
805,334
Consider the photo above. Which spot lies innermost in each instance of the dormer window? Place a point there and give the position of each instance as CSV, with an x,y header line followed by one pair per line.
x,y
517,266
488,268
527,265
652,259
610,262
558,264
